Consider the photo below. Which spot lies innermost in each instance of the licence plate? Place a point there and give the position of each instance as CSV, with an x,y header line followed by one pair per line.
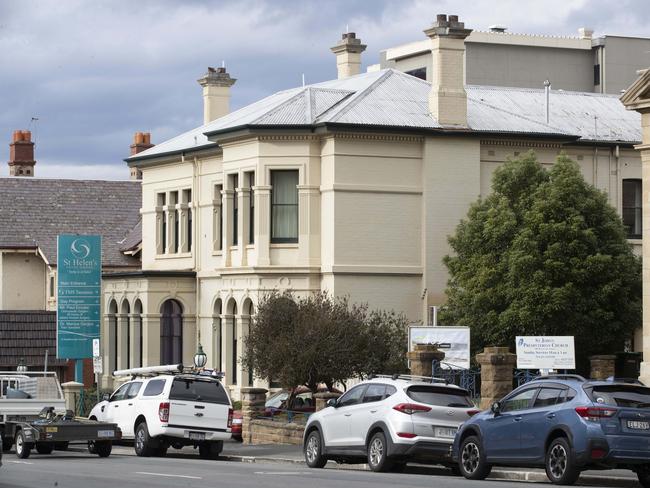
x,y
197,436
638,425
444,432
106,433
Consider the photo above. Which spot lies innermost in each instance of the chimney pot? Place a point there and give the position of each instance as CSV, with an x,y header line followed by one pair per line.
x,y
27,136
216,85
21,154
453,18
141,142
441,18
138,139
348,55
146,138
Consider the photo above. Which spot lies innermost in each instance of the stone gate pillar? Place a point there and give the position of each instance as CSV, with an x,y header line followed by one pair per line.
x,y
497,371
422,358
252,405
603,366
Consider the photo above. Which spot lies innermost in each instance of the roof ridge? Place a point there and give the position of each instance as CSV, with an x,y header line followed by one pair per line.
x,y
359,95
277,108
558,91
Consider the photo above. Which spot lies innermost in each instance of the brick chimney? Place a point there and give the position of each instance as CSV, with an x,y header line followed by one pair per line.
x,y
216,85
141,142
447,98
21,154
348,55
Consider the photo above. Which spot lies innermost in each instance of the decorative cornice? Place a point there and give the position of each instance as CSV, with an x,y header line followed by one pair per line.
x,y
373,137
288,137
511,143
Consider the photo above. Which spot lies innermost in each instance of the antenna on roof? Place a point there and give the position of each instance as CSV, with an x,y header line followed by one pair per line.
x,y
303,79
347,28
34,119
223,63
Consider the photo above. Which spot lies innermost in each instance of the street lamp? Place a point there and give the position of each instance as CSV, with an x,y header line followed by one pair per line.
x,y
21,368
200,358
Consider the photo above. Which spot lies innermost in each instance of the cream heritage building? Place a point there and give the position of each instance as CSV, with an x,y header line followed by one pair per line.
x,y
350,186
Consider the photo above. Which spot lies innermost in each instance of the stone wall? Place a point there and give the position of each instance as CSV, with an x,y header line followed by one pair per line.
x,y
275,432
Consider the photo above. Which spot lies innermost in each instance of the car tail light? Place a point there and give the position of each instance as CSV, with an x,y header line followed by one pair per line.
x,y
595,413
406,435
411,408
230,417
163,412
598,453
471,413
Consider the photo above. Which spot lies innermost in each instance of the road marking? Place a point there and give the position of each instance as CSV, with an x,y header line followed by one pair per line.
x,y
170,475
281,473
20,462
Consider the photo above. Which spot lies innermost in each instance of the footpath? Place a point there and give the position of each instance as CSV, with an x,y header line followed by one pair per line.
x,y
283,454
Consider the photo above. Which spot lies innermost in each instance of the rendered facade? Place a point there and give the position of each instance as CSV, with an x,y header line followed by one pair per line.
x,y
605,64
350,186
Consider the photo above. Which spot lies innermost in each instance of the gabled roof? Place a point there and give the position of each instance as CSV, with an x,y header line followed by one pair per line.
x,y
393,99
34,211
637,96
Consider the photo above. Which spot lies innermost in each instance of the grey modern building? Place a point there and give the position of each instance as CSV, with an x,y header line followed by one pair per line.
x,y
584,63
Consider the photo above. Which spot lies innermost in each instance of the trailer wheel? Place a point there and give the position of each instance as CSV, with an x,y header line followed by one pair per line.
x,y
44,447
23,448
91,447
103,448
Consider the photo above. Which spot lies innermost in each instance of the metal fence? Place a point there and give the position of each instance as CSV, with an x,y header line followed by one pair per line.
x,y
469,379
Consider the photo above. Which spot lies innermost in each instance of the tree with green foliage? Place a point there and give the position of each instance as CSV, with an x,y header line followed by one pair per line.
x,y
319,339
544,254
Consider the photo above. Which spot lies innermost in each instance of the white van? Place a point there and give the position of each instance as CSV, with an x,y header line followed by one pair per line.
x,y
161,409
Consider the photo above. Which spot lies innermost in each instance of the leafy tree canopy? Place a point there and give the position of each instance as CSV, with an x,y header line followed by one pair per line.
x,y
320,339
544,254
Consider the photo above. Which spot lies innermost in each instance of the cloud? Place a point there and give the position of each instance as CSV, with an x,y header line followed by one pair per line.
x,y
96,72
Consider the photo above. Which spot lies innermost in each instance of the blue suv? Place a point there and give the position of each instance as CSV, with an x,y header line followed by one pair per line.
x,y
564,423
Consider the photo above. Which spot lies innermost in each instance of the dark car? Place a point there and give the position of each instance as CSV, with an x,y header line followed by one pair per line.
x,y
564,423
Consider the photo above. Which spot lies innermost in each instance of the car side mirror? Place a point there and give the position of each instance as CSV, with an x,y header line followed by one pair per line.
x,y
496,408
106,397
331,402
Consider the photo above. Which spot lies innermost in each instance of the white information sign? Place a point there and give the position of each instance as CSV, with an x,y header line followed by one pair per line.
x,y
95,348
545,352
454,342
98,368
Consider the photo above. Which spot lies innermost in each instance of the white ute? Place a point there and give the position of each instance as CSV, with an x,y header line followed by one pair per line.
x,y
163,406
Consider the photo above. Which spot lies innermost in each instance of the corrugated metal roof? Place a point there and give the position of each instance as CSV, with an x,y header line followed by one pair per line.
x,y
391,98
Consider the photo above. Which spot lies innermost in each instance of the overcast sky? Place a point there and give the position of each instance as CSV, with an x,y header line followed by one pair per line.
x,y
95,72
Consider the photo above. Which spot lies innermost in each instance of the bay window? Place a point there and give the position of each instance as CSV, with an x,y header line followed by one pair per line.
x,y
284,206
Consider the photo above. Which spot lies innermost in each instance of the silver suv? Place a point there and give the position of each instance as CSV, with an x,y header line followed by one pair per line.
x,y
388,421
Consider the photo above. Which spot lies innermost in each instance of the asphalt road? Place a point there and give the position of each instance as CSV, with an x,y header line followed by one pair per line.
x,y
73,469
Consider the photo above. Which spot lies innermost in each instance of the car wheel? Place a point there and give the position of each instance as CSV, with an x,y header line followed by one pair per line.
x,y
378,453
91,447
6,444
103,448
210,450
314,450
560,466
44,447
471,461
142,443
23,448
644,476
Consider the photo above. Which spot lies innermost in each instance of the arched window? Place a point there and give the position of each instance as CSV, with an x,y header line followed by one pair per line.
x,y
112,334
171,333
124,341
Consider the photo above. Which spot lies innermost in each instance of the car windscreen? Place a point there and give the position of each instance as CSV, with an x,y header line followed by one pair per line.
x,y
198,391
633,396
439,396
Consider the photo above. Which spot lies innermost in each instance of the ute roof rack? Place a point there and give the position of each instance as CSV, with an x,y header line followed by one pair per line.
x,y
411,377
168,369
556,376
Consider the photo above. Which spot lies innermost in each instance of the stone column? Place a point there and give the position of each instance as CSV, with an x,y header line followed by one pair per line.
x,y
122,340
171,222
602,366
217,342
151,339
497,372
252,405
309,224
243,322
71,394
216,224
243,196
263,224
422,358
134,339
107,350
184,211
323,397
189,338
228,227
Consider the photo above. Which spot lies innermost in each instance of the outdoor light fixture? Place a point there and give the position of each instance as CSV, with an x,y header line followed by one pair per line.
x,y
21,368
200,358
